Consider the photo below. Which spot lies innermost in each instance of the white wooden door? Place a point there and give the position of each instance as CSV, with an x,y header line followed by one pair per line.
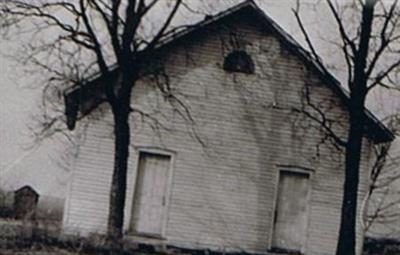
x,y
290,229
150,191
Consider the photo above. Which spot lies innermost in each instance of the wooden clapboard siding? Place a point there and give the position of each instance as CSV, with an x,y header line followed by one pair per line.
x,y
223,188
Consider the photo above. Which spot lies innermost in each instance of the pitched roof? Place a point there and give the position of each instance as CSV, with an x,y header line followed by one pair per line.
x,y
375,129
26,188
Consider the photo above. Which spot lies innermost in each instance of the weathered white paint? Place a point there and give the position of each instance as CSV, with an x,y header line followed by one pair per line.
x,y
222,193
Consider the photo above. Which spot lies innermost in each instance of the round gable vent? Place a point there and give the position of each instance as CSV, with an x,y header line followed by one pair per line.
x,y
239,61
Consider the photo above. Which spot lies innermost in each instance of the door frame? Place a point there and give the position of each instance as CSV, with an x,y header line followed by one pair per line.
x,y
167,191
294,169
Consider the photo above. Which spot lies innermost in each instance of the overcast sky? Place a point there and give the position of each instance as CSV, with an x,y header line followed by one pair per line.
x,y
22,164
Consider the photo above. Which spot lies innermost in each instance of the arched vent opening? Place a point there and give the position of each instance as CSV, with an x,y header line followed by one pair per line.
x,y
239,61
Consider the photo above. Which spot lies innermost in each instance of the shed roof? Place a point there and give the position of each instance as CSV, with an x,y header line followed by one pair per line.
x,y
375,129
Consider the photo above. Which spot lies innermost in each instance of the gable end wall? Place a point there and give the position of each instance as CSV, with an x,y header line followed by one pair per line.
x,y
225,167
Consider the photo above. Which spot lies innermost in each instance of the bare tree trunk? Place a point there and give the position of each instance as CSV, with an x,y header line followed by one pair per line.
x,y
358,92
118,185
121,110
347,234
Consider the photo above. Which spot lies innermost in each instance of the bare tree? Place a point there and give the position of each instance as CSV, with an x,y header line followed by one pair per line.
x,y
95,36
369,51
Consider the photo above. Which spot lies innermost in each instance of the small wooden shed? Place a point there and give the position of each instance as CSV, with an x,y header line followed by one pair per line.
x,y
25,203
